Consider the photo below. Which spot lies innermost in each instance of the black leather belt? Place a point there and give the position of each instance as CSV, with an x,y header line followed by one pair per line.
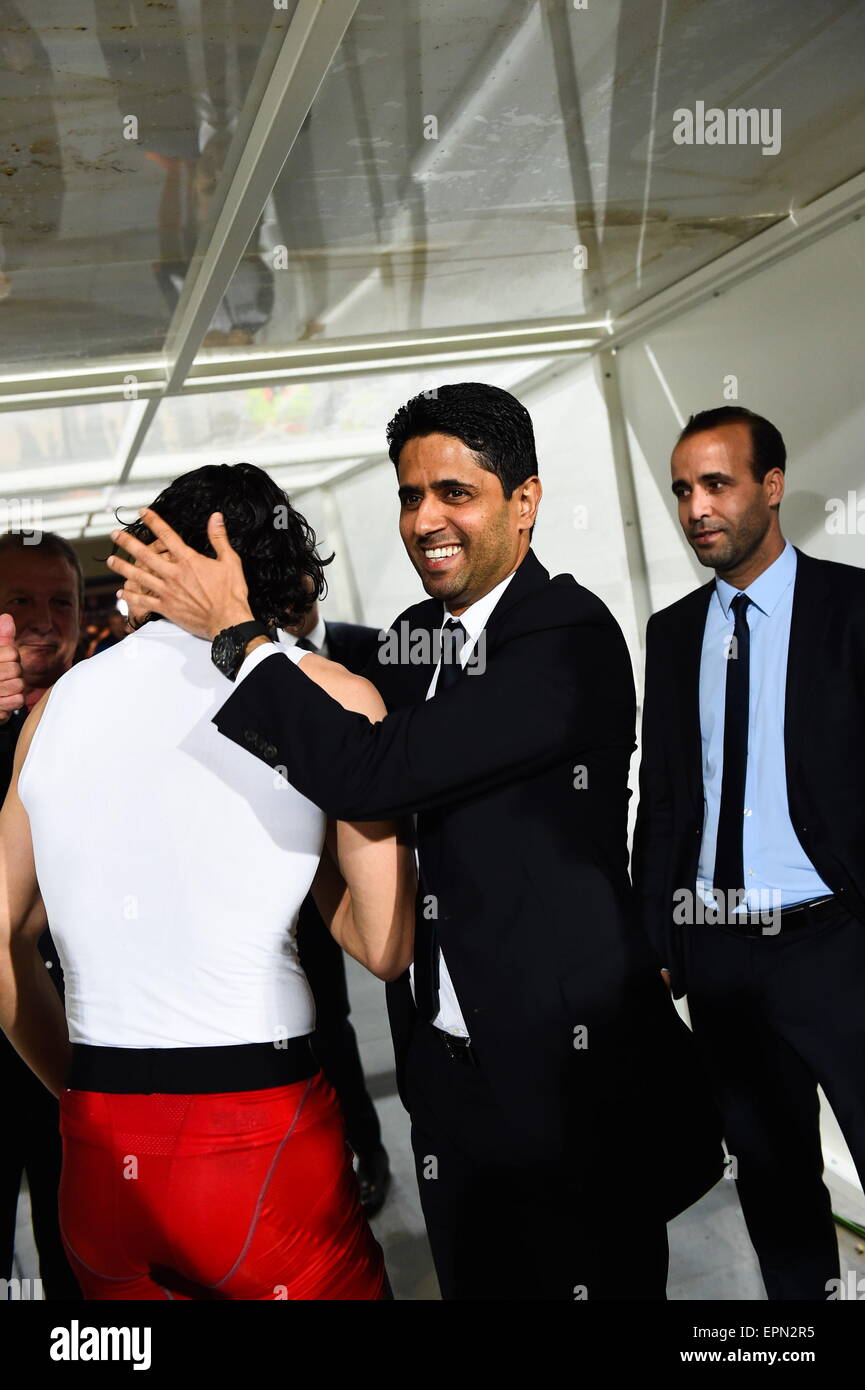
x,y
457,1049
141,1071
773,921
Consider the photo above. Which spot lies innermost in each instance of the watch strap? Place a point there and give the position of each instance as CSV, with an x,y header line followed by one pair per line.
x,y
238,637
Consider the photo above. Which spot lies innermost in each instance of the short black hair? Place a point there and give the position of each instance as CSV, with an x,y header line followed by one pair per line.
x,y
49,543
283,569
489,421
767,447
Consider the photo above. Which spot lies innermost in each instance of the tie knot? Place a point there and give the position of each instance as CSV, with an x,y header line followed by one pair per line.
x,y
307,646
453,639
739,604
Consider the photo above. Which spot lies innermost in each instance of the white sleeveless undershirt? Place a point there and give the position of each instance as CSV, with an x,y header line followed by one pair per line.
x,y
172,862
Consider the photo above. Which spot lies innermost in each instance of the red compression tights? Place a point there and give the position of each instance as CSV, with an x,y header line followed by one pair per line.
x,y
243,1195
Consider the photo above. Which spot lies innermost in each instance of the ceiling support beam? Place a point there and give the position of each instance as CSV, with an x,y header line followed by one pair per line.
x,y
308,49
791,234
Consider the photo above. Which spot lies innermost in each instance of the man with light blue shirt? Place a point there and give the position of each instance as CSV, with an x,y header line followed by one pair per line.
x,y
777,871
749,852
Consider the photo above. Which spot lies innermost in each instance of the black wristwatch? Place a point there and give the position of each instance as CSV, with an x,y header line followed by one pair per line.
x,y
229,645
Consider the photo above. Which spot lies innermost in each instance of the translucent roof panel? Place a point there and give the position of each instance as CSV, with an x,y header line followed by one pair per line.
x,y
59,466
116,118
302,433
50,450
462,162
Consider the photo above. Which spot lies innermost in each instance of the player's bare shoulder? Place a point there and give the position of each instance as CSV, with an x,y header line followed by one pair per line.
x,y
353,692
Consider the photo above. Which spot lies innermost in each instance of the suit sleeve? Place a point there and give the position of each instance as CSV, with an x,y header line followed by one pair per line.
x,y
653,833
543,696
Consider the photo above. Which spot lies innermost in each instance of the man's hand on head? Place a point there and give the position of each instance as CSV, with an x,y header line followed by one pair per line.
x,y
11,678
199,594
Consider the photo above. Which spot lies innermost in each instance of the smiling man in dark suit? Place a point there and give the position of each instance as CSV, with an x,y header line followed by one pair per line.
x,y
537,1050
750,843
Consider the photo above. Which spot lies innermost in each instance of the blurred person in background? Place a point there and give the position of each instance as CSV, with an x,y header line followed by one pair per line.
x,y
41,602
117,630
87,642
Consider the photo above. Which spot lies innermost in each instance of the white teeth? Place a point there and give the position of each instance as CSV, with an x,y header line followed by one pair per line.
x,y
443,552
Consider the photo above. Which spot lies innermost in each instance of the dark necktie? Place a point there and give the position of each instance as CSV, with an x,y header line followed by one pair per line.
x,y
453,640
729,869
426,947
305,643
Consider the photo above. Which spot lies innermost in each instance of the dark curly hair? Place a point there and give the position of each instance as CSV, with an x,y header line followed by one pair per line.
x,y
489,421
283,570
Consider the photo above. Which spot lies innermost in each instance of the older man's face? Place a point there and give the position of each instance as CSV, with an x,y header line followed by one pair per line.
x,y
41,593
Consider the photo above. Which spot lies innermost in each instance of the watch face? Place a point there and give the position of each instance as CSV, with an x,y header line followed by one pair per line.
x,y
224,652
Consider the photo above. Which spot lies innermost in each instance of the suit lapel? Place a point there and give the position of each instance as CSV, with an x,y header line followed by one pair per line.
x,y
405,666
688,653
407,680
807,631
529,576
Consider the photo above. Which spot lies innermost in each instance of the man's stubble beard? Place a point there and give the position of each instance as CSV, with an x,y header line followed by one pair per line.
x,y
739,547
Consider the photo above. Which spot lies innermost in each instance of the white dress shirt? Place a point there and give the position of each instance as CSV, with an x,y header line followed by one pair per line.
x,y
318,638
777,871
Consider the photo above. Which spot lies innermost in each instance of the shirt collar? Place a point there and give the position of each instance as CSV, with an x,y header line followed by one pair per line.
x,y
767,590
318,636
477,615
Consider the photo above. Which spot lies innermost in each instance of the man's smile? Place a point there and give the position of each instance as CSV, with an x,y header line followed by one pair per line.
x,y
440,557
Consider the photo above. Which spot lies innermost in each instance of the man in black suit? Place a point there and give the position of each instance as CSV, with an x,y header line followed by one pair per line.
x,y
42,592
750,843
334,1040
537,1050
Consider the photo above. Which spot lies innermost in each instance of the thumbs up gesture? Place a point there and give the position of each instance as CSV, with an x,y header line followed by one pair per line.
x,y
11,683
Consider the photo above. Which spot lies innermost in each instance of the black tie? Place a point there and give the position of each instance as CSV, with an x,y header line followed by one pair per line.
x,y
306,644
426,947
729,870
453,640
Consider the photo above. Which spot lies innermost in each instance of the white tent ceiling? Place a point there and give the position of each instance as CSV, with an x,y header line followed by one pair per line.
x,y
324,204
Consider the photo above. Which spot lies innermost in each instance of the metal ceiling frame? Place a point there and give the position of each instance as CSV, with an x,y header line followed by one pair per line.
x,y
799,229
308,48
323,360
561,338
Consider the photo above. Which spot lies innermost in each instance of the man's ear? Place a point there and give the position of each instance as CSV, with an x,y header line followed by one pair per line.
x,y
775,480
529,501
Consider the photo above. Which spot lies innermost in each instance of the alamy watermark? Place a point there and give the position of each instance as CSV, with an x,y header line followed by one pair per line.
x,y
759,907
405,645
22,514
735,126
846,518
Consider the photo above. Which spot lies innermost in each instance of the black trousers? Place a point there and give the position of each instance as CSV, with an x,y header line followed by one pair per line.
x,y
773,1016
31,1144
504,1228
334,1042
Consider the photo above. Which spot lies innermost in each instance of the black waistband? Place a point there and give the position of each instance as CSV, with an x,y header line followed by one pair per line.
x,y
190,1070
813,913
